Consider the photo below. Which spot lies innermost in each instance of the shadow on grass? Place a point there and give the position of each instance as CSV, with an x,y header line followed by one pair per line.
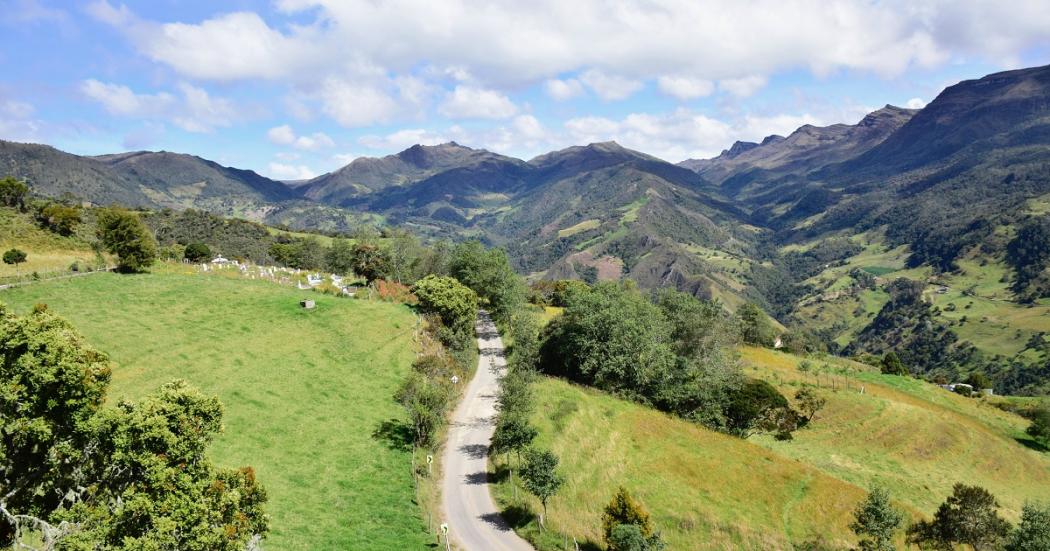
x,y
525,522
1032,444
501,474
396,434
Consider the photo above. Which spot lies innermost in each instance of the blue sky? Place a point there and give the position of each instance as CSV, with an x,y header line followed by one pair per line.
x,y
295,88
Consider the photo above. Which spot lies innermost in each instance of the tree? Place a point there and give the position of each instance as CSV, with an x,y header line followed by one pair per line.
x,y
754,326
197,252
875,520
371,261
613,338
968,516
340,257
1033,534
751,405
891,364
13,193
629,537
124,234
133,476
404,256
513,434
540,476
426,401
624,510
489,273
809,403
978,381
1040,427
53,383
454,303
805,367
14,256
60,219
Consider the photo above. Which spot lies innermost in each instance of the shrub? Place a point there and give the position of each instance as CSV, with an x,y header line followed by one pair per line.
x,y
197,252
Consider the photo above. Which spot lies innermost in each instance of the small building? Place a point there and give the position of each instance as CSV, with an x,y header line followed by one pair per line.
x,y
220,260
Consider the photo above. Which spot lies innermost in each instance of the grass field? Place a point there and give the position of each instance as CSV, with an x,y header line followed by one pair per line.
x,y
705,490
304,391
711,491
911,436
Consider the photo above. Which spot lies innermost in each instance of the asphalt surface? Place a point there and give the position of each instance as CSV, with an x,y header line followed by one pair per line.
x,y
473,519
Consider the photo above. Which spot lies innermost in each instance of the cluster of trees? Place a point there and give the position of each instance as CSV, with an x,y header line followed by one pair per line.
x,y
671,351
490,274
1028,253
969,516
514,434
13,193
427,394
78,474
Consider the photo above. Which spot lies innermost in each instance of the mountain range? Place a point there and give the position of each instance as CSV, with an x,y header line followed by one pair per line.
x,y
760,222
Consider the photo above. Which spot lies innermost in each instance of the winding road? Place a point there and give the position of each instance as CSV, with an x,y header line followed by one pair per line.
x,y
473,519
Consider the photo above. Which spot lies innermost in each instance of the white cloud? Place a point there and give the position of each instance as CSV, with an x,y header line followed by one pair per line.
x,y
284,135
685,88
562,90
354,104
202,112
467,102
281,171
281,135
196,110
121,100
16,109
610,87
915,103
743,86
530,42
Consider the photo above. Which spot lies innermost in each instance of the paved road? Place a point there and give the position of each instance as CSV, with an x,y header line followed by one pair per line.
x,y
474,522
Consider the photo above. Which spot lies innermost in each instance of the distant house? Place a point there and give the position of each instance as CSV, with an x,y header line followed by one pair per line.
x,y
220,260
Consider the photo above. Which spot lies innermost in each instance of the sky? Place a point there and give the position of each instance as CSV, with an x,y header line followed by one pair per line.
x,y
296,88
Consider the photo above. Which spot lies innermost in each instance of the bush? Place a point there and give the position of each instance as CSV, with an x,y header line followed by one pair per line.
x,y
454,303
197,252
60,219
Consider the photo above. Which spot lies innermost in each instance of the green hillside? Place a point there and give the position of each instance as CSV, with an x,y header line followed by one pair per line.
x,y
46,252
707,490
303,391
914,437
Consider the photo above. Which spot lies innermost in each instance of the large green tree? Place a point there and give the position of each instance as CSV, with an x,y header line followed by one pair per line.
x,y
454,303
124,234
489,273
875,520
614,338
967,517
135,476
